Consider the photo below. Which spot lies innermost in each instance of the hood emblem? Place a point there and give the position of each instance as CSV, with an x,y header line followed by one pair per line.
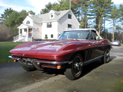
x,y
23,54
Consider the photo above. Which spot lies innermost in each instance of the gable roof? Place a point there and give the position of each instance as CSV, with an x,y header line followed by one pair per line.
x,y
24,26
45,17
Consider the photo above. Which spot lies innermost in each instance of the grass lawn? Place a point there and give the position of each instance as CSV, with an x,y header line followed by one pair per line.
x,y
5,47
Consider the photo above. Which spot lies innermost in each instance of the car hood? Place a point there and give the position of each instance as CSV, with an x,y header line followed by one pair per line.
x,y
43,50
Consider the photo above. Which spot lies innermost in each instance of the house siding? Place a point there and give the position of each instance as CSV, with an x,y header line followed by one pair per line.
x,y
64,21
28,19
37,30
50,31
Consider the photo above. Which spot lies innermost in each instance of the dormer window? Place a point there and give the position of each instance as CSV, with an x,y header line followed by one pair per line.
x,y
28,22
69,16
51,15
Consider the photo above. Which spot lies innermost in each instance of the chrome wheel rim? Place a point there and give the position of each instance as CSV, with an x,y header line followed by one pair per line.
x,y
107,56
77,66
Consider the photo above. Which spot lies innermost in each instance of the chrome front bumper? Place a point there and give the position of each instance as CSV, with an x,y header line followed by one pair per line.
x,y
43,61
51,62
16,58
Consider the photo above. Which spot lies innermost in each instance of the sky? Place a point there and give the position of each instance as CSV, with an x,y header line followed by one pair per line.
x,y
18,5
34,5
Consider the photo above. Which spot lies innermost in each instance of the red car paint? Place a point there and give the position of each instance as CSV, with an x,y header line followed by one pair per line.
x,y
60,50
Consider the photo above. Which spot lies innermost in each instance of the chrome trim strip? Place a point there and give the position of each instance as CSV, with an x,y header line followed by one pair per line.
x,y
14,58
89,61
51,62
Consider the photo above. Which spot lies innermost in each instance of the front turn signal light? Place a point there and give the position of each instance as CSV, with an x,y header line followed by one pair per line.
x,y
14,60
58,66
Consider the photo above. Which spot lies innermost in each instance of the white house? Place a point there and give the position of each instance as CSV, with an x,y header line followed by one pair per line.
x,y
49,25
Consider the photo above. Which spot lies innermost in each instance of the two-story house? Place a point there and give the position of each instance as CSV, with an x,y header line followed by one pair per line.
x,y
49,25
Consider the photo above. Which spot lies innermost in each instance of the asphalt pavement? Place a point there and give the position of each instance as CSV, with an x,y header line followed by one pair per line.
x,y
96,77
13,76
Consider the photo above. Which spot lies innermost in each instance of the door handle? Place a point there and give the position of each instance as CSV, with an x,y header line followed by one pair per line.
x,y
89,45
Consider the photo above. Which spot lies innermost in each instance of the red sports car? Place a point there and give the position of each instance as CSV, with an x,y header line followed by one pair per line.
x,y
73,50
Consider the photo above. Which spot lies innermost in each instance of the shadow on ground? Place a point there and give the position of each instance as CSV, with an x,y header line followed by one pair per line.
x,y
86,69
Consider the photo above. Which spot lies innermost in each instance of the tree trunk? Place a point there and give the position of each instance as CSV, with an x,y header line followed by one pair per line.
x,y
86,20
99,25
113,31
81,15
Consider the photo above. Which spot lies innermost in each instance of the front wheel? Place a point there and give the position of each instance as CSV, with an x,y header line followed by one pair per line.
x,y
28,68
106,57
26,65
74,70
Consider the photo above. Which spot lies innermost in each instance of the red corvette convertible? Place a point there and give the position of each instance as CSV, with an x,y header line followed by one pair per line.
x,y
73,50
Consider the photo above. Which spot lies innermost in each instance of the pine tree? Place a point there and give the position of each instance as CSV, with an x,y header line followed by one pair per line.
x,y
114,16
83,7
100,8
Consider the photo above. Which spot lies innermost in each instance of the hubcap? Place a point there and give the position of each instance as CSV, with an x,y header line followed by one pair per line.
x,y
77,66
107,56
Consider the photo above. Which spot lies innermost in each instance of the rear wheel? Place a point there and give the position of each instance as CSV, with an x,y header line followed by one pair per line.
x,y
74,70
106,57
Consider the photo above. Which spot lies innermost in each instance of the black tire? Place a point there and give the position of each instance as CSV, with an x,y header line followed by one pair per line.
x,y
106,57
28,66
74,69
37,66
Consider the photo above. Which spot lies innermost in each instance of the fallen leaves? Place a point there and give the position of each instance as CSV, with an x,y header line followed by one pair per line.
x,y
33,76
111,72
117,73
95,77
35,79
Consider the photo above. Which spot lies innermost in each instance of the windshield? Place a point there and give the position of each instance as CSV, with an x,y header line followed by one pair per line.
x,y
78,35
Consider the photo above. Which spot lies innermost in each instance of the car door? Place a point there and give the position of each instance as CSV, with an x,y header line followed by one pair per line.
x,y
96,45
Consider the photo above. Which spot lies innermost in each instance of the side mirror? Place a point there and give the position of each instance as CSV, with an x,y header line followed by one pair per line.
x,y
97,37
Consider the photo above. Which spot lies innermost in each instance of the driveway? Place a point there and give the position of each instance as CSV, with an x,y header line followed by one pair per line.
x,y
96,77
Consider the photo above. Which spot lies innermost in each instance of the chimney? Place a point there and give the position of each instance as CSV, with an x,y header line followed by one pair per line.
x,y
29,14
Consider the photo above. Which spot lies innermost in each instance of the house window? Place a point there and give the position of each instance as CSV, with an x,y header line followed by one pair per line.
x,y
28,22
69,26
51,35
51,15
49,25
69,16
46,37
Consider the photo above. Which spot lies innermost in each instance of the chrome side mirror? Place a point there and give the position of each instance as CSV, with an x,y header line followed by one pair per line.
x,y
97,37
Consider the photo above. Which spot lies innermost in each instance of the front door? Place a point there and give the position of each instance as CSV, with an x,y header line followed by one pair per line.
x,y
30,33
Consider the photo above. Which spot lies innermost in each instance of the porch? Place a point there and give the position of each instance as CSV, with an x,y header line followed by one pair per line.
x,y
25,33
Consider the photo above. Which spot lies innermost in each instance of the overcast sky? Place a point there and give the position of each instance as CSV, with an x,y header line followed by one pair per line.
x,y
34,5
